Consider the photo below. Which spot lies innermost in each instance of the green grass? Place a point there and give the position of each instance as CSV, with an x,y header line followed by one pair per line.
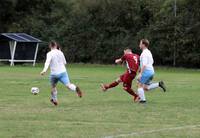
x,y
97,114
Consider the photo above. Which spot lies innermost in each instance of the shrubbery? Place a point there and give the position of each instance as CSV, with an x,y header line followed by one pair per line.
x,y
96,31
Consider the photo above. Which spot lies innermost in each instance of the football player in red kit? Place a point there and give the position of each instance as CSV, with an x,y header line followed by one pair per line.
x,y
132,62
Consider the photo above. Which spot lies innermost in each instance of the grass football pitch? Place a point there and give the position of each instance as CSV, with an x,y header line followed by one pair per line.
x,y
174,114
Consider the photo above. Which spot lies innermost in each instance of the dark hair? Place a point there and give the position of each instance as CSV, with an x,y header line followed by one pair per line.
x,y
53,44
145,42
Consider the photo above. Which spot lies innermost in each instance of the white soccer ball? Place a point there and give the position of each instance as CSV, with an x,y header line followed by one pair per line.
x,y
35,90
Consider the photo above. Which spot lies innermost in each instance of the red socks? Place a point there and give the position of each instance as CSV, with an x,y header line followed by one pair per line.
x,y
114,84
127,89
130,91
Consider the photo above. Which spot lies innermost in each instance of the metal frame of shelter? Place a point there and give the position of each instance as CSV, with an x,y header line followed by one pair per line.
x,y
14,39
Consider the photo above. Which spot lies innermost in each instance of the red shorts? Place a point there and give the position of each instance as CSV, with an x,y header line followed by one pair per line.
x,y
127,78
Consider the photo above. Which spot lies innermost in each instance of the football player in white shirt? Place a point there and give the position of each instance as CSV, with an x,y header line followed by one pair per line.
x,y
56,60
146,72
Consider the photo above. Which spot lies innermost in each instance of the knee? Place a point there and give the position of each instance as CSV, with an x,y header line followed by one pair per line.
x,y
53,89
139,85
118,80
145,88
125,87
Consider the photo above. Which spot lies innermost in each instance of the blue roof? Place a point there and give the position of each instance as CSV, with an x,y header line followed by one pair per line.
x,y
20,37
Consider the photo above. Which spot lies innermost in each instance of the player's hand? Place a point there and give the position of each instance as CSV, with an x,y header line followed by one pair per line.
x,y
118,61
139,76
42,73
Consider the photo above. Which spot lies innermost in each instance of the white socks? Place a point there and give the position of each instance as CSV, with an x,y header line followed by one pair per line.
x,y
153,86
141,94
72,87
54,95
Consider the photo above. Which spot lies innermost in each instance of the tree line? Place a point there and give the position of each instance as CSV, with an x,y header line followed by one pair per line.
x,y
97,31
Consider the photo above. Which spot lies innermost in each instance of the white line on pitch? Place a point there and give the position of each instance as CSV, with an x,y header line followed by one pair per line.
x,y
152,131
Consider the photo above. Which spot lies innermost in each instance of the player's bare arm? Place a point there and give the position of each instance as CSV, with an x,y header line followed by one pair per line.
x,y
141,71
43,72
118,61
46,65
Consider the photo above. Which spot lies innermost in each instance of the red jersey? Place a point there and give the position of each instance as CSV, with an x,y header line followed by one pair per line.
x,y
132,61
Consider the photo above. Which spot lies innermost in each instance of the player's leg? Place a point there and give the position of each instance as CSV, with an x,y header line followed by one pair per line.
x,y
53,81
150,86
161,84
75,88
64,78
54,99
105,87
141,94
155,85
129,90
127,83
145,79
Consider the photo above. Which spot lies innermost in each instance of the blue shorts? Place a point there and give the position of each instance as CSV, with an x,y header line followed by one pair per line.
x,y
62,77
146,77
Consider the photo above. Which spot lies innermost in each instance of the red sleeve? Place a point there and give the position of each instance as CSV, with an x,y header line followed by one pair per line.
x,y
123,58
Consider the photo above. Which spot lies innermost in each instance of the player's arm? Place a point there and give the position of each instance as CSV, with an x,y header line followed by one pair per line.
x,y
144,63
142,69
46,65
118,61
64,59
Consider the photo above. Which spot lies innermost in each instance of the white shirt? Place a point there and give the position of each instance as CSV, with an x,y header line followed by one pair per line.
x,y
146,59
56,60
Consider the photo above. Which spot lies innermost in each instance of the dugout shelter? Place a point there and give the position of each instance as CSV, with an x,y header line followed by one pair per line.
x,y
18,47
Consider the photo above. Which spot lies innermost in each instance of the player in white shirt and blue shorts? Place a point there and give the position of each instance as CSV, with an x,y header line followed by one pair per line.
x,y
146,72
56,61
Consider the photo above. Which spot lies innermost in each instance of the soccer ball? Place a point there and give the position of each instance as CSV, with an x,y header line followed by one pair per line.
x,y
35,90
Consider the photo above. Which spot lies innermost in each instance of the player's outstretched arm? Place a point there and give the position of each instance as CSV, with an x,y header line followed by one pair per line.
x,y
118,61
